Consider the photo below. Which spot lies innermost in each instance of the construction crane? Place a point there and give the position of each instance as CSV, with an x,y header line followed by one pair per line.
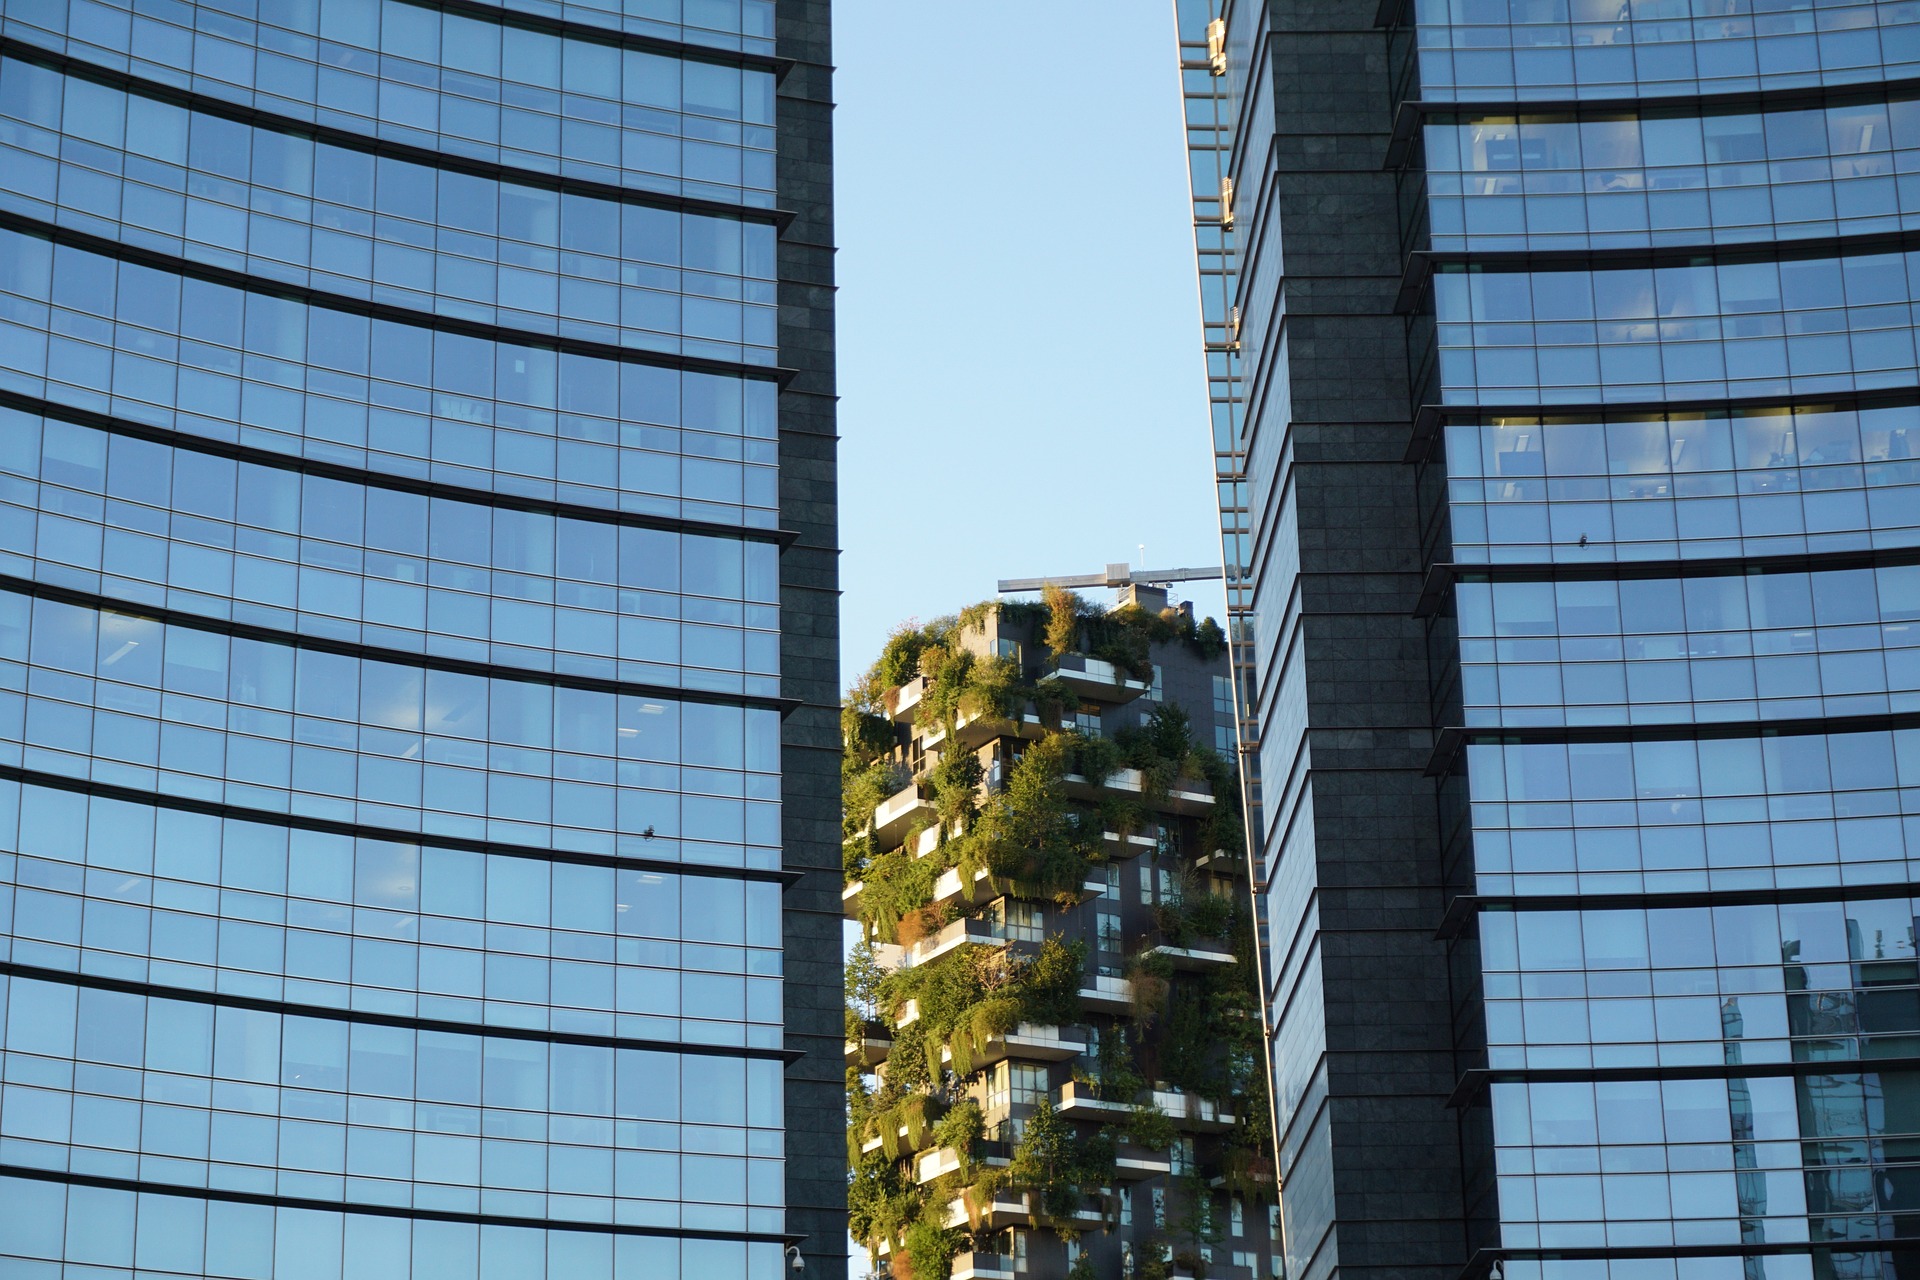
x,y
1116,576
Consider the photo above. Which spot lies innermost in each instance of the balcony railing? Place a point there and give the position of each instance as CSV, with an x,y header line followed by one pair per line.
x,y
983,1266
1190,795
1128,782
1081,1100
1097,680
958,934
937,1162
900,810
1191,954
1107,994
1028,1043
1008,1209
902,702
1191,1111
1133,1163
871,1046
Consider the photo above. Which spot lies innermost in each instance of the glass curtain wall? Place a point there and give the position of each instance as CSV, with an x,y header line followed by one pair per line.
x,y
391,714
1574,425
1663,343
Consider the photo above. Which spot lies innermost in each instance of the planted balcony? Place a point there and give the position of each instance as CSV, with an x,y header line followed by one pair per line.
x,y
1135,1163
868,1042
982,1266
1106,994
901,810
1191,931
1194,1112
1225,863
903,701
965,1154
1190,954
961,933
1097,680
1028,1043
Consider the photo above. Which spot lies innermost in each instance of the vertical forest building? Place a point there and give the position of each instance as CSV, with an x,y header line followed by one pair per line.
x,y
1054,1057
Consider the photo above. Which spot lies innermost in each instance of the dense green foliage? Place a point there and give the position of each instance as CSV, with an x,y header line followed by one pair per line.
x,y
976,992
1125,635
1061,1167
1037,832
929,1249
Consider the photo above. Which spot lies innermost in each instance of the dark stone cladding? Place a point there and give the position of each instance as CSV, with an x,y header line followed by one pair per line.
x,y
1392,1165
810,644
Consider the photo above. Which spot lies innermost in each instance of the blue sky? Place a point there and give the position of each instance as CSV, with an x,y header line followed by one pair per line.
x,y
1022,388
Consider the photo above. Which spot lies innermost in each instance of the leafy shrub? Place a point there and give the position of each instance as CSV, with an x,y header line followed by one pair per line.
x,y
955,783
1096,759
1210,915
1050,985
867,734
877,1197
1057,1165
1187,1046
900,659
1064,610
1209,640
1151,1127
959,1130
929,1249
863,787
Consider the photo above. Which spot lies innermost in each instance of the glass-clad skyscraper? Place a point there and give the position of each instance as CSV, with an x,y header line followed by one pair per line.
x,y
417,705
1573,348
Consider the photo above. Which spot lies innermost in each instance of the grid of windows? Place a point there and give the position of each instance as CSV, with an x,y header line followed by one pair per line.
x,y
1476,50
249,907
460,85
1704,329
1786,811
145,523
114,697
104,1082
1694,485
178,1235
1815,1157
390,698
724,24
285,207
1693,986
1497,182
1696,935
211,360
1715,647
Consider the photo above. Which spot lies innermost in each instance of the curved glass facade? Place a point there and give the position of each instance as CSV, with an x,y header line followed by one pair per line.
x,y
400,397
403,870
1696,931
1579,389
147,522
1502,50
1609,180
579,105
1696,484
283,205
